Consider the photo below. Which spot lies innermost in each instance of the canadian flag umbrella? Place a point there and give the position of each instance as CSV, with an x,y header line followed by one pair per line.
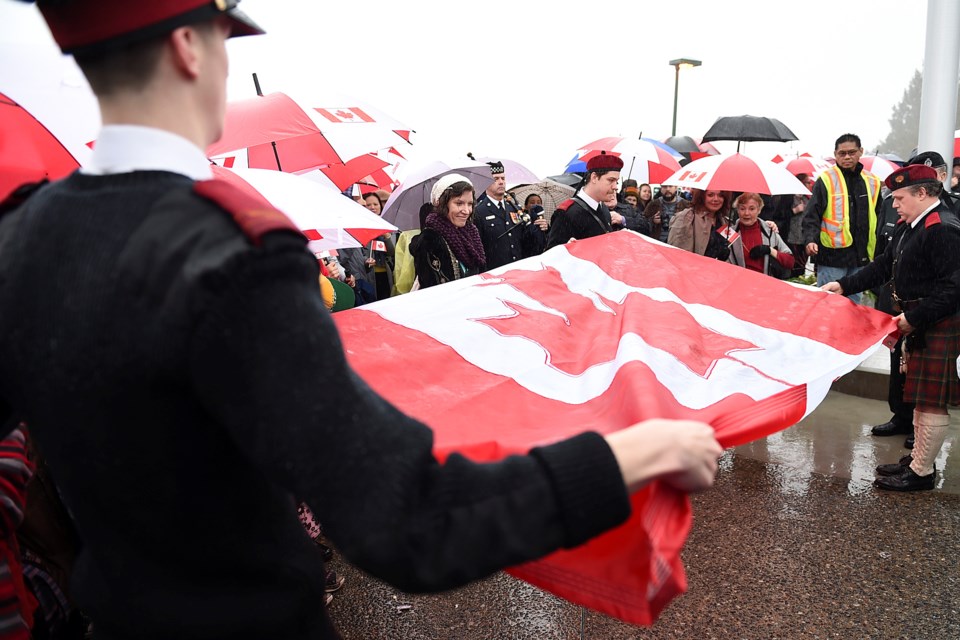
x,y
597,335
737,172
644,160
327,218
880,167
277,131
808,165
48,116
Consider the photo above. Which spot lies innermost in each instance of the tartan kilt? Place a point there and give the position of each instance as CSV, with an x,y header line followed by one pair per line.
x,y
932,378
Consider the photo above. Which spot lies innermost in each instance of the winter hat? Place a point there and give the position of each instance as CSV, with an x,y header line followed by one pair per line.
x,y
444,183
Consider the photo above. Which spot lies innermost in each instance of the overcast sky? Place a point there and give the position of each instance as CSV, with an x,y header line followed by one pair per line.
x,y
533,81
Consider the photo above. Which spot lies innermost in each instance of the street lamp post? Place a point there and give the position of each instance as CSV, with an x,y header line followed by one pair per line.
x,y
677,64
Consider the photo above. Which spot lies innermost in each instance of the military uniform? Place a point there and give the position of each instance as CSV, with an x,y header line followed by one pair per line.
x,y
574,218
923,261
506,238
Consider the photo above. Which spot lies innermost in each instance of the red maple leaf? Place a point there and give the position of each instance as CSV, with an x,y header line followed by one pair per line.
x,y
345,115
665,325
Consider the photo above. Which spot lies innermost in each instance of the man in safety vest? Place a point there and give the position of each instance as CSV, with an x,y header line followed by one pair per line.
x,y
840,221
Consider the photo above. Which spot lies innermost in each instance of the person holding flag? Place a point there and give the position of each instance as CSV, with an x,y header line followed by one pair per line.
x,y
923,261
165,339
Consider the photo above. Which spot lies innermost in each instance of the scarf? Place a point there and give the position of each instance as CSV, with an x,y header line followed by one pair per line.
x,y
463,241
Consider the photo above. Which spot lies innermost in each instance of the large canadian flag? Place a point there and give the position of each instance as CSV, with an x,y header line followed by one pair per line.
x,y
597,335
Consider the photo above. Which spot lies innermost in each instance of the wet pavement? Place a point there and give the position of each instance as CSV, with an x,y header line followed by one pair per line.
x,y
791,542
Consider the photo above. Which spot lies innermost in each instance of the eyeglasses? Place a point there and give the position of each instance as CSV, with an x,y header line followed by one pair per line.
x,y
846,154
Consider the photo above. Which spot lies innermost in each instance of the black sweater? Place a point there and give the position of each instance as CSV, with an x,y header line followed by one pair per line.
x,y
187,388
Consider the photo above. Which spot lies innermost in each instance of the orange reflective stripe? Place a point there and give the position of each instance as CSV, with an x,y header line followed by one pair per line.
x,y
835,225
835,230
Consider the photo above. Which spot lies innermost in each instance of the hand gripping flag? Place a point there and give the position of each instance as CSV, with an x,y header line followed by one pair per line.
x,y
597,335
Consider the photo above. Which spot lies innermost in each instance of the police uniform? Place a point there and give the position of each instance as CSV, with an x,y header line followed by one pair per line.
x,y
923,261
506,237
172,355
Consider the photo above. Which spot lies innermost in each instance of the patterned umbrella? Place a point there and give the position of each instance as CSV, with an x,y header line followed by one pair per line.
x,y
808,165
880,167
644,159
278,132
551,194
737,172
48,115
326,217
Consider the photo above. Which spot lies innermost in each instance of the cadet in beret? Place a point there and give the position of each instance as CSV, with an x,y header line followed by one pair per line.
x,y
923,260
901,423
585,215
165,339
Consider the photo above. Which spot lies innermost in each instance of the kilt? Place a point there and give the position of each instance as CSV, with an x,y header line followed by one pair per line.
x,y
932,379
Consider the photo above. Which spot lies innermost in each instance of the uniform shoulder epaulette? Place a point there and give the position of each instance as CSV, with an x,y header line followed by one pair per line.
x,y
563,206
20,195
254,215
932,219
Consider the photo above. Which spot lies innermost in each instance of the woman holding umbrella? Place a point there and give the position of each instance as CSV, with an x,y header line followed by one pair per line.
x,y
696,228
449,247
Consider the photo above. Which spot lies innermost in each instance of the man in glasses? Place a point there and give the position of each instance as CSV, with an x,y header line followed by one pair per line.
x,y
840,221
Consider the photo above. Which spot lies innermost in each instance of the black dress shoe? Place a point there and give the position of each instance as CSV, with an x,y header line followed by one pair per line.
x,y
908,443
891,428
894,468
906,481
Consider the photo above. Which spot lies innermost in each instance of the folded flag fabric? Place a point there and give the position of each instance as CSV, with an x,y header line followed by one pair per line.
x,y
597,335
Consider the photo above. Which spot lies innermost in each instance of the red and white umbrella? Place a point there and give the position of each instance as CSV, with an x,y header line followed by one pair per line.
x,y
279,132
880,167
643,160
384,178
736,172
808,165
327,218
48,116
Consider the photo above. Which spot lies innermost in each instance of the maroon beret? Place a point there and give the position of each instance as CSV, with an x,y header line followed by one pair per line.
x,y
910,175
93,26
604,161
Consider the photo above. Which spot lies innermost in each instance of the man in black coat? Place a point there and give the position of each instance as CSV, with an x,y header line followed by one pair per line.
x,y
585,215
507,233
923,260
901,423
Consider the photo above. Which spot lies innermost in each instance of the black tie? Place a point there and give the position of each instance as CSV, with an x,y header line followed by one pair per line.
x,y
500,205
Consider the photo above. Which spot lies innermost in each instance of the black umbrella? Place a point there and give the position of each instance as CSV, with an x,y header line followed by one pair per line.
x,y
569,179
749,129
682,144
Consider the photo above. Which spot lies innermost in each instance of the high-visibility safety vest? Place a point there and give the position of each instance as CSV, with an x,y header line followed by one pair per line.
x,y
835,230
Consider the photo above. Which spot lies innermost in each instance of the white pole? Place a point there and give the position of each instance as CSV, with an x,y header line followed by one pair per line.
x,y
941,62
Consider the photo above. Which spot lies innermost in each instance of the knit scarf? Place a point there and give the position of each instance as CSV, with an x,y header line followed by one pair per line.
x,y
463,241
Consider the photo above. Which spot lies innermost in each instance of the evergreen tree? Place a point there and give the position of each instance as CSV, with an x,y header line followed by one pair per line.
x,y
905,121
